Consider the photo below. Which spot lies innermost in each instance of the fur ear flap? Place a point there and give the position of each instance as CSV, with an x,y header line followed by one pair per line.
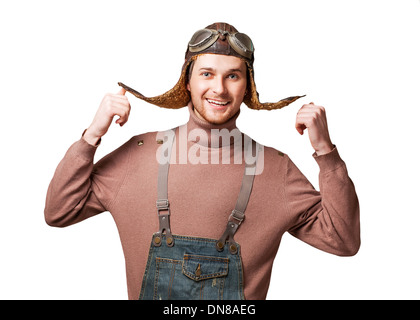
x,y
252,100
177,97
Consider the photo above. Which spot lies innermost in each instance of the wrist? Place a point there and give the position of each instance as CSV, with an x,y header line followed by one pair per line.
x,y
91,138
327,148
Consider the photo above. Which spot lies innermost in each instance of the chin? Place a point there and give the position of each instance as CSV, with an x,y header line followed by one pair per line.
x,y
217,118
217,121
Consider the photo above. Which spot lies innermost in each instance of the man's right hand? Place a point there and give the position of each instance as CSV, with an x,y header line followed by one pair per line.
x,y
111,105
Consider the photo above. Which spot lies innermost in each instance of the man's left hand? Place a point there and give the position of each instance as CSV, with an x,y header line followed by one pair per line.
x,y
313,118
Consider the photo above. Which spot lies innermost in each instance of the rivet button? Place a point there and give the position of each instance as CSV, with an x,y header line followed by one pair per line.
x,y
219,245
159,141
198,271
140,142
157,240
169,241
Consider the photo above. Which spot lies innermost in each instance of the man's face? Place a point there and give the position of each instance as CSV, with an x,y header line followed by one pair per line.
x,y
217,86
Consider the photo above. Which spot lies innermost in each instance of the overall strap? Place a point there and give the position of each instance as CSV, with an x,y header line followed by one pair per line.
x,y
238,214
162,203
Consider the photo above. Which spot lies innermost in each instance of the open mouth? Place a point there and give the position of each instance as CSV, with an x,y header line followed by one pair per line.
x,y
217,103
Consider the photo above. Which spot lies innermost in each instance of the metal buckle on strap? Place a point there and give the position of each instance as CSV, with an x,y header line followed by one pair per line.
x,y
164,224
237,215
162,204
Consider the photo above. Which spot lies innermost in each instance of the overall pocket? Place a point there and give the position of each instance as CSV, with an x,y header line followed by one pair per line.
x,y
195,277
199,268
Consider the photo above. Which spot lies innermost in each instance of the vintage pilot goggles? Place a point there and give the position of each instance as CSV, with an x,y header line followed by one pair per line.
x,y
204,38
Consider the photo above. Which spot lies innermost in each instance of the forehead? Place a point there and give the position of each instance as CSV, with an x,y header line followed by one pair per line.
x,y
220,62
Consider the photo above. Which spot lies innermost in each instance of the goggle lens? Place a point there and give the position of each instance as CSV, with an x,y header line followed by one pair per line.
x,y
203,39
242,44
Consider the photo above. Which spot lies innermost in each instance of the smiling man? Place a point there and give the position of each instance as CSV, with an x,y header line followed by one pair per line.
x,y
206,229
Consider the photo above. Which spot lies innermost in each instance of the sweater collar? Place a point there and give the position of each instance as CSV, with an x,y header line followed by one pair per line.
x,y
206,134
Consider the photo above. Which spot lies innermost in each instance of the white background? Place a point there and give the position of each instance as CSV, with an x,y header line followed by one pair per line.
x,y
359,59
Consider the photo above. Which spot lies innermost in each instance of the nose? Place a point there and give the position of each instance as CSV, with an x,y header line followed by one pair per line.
x,y
219,86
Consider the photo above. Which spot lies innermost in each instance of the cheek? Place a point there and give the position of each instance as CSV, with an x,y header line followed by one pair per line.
x,y
197,89
239,91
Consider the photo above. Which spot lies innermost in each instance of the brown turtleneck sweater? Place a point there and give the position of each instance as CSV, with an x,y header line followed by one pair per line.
x,y
202,197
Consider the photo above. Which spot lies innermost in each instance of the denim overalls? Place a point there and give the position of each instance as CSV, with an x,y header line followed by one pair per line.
x,y
191,268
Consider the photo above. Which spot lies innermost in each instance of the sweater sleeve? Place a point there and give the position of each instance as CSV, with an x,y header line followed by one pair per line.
x,y
70,198
329,219
80,189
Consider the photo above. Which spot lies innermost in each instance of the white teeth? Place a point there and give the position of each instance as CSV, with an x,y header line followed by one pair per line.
x,y
217,102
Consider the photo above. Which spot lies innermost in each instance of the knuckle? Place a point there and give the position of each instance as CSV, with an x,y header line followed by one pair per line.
x,y
107,99
109,108
312,120
319,112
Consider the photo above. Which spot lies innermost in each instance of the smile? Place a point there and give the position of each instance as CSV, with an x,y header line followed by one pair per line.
x,y
218,103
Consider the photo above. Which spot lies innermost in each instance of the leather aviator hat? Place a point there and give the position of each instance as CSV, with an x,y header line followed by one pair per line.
x,y
217,38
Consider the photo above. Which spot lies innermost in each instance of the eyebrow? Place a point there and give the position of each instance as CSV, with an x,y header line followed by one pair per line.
x,y
212,69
